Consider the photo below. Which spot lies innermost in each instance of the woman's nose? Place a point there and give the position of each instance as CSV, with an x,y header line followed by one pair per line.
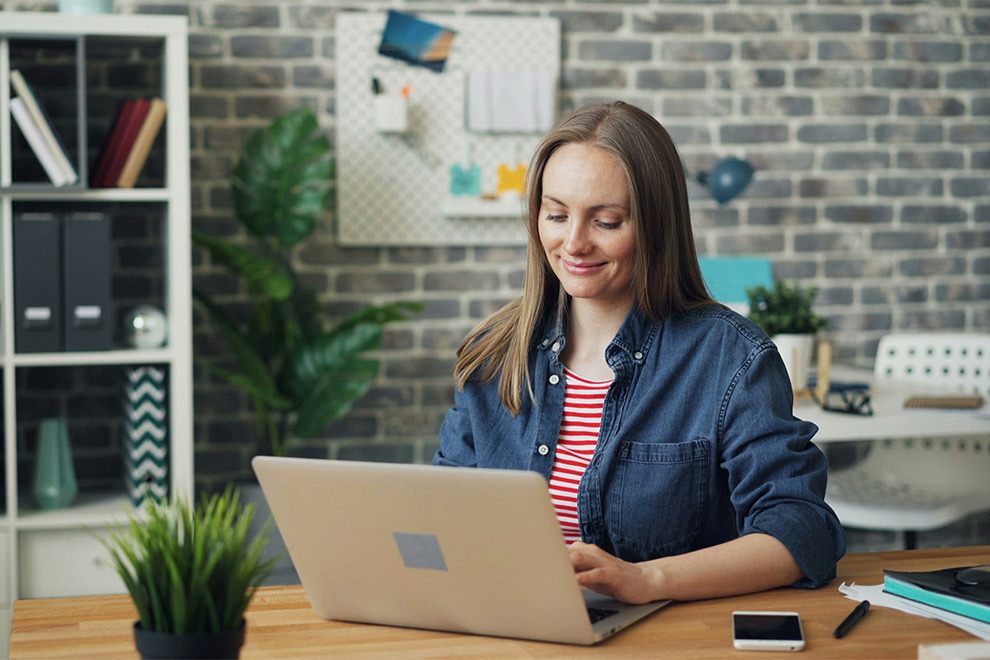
x,y
577,238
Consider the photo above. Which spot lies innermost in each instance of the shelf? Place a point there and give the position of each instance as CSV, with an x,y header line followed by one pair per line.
x,y
89,510
474,207
69,358
42,192
45,553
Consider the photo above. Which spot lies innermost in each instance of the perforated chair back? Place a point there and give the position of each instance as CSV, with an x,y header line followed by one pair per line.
x,y
915,484
959,362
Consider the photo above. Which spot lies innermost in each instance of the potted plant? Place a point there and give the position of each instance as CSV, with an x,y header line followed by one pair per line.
x,y
785,313
299,371
191,572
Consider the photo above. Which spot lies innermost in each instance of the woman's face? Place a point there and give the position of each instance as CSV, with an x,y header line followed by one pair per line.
x,y
585,225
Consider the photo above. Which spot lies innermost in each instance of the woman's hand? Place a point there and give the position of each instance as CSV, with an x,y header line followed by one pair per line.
x,y
599,571
744,565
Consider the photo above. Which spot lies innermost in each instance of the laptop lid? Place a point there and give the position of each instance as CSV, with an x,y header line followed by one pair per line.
x,y
459,549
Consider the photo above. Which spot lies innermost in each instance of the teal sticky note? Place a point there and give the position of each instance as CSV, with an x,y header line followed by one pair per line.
x,y
465,181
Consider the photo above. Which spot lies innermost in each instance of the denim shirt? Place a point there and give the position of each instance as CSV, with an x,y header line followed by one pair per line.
x,y
698,442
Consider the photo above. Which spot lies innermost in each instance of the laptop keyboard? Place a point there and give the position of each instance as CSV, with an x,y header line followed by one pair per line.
x,y
597,614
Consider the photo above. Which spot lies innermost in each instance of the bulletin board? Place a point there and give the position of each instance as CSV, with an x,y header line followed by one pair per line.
x,y
392,187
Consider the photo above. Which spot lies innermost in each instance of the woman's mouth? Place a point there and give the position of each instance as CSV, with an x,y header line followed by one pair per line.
x,y
576,268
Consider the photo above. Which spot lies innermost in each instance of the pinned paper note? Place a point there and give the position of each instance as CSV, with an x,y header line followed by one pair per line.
x,y
465,180
511,180
510,101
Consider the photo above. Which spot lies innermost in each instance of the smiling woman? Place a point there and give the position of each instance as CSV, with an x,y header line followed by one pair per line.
x,y
585,228
661,420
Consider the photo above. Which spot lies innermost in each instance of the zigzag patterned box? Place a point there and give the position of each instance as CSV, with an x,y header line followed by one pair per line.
x,y
145,435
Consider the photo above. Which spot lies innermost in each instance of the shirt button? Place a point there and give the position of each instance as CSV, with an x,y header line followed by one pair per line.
x,y
554,379
555,347
543,450
638,355
545,342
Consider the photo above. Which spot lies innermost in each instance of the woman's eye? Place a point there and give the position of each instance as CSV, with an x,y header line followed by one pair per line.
x,y
555,218
608,225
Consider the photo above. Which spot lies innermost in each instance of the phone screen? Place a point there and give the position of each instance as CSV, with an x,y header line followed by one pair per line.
x,y
782,627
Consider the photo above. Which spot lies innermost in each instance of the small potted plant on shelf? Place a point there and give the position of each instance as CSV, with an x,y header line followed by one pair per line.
x,y
785,313
191,572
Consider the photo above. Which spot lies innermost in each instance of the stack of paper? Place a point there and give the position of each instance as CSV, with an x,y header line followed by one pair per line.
x,y
877,596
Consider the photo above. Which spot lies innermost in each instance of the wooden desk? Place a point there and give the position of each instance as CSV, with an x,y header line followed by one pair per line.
x,y
281,624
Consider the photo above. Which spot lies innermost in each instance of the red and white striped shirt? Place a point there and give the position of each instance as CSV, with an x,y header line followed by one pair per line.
x,y
576,441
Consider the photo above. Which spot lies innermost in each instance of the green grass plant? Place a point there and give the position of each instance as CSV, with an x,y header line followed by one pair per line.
x,y
191,569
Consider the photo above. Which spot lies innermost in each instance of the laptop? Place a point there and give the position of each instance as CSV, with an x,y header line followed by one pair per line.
x,y
458,549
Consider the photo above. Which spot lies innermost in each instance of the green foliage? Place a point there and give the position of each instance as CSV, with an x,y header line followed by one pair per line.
x,y
191,570
299,371
785,309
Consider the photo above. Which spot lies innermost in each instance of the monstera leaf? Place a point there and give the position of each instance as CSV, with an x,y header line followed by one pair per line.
x,y
299,371
261,272
282,180
326,376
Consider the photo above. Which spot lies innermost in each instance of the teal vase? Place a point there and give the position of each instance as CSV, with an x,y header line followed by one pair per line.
x,y
54,474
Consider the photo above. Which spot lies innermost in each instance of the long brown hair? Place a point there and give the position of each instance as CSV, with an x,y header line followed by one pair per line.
x,y
667,277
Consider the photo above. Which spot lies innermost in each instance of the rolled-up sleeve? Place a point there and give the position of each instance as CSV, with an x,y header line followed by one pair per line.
x,y
776,475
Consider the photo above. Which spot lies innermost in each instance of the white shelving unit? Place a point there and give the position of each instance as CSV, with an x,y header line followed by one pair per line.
x,y
52,553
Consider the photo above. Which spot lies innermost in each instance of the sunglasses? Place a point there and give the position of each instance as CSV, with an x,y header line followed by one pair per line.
x,y
851,398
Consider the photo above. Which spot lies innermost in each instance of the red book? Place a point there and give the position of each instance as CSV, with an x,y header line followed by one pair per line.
x,y
113,138
110,144
129,129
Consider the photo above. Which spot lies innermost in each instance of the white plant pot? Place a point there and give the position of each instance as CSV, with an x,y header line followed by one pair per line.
x,y
796,351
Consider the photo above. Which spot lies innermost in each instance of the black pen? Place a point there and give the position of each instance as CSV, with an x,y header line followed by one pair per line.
x,y
851,620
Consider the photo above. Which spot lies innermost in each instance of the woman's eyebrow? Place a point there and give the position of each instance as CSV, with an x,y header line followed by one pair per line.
x,y
607,205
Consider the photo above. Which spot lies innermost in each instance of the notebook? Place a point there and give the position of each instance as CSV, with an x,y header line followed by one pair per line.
x,y
457,549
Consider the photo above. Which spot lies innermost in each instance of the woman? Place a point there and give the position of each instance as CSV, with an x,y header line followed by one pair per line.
x,y
661,420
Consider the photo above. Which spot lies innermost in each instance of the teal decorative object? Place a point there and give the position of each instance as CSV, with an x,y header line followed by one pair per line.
x,y
54,484
465,180
85,6
145,436
727,180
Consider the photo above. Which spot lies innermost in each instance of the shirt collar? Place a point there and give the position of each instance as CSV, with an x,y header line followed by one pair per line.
x,y
635,338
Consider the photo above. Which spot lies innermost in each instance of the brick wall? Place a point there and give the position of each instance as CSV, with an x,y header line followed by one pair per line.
x,y
868,122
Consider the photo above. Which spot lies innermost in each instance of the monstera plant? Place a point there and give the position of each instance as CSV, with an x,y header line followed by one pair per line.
x,y
299,371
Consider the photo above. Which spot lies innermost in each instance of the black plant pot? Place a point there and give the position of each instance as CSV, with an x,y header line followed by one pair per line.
x,y
167,646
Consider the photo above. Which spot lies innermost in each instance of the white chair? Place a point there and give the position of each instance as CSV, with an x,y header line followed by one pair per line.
x,y
911,485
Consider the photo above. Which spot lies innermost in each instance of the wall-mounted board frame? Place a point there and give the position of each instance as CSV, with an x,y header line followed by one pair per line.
x,y
393,187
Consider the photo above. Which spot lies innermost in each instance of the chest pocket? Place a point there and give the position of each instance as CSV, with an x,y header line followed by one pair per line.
x,y
656,506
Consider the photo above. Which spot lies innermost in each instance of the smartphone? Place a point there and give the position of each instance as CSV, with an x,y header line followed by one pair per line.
x,y
767,631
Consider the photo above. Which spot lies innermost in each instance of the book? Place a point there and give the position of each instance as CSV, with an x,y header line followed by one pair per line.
x,y
941,589
958,401
109,145
22,117
44,125
142,144
121,138
130,130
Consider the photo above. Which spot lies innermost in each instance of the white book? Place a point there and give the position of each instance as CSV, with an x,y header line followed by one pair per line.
x,y
41,121
37,142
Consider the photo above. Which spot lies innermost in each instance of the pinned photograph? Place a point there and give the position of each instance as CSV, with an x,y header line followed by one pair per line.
x,y
416,41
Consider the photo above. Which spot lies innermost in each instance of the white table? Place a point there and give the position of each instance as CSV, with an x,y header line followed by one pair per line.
x,y
890,419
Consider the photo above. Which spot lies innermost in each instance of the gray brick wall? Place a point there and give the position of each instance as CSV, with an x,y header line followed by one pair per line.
x,y
868,122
